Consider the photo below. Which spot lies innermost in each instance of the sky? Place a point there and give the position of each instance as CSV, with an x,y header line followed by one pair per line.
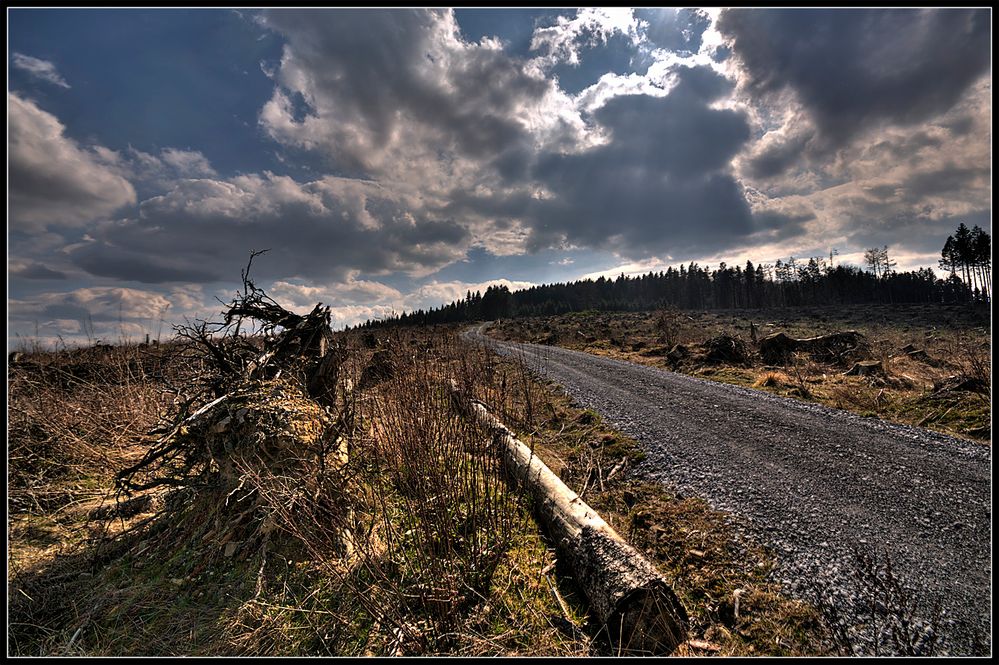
x,y
392,159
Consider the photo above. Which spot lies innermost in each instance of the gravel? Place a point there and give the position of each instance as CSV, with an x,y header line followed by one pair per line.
x,y
813,484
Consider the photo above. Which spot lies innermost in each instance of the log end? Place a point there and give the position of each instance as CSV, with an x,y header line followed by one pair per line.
x,y
649,621
642,614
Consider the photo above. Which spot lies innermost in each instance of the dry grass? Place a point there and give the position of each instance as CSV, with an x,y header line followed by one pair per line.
x,y
74,416
414,546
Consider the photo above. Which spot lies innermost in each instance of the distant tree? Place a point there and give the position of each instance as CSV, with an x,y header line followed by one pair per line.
x,y
497,303
962,246
981,258
970,251
949,259
872,257
887,264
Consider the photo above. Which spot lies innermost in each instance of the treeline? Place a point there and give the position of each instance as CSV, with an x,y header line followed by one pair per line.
x,y
782,284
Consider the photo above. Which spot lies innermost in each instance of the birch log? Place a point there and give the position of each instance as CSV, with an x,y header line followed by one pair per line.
x,y
627,594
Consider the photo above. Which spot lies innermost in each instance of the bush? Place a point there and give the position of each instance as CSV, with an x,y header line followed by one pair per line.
x,y
669,325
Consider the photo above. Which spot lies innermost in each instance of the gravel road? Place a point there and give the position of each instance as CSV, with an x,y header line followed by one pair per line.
x,y
813,484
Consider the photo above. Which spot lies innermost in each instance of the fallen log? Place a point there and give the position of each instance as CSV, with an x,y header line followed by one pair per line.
x,y
629,597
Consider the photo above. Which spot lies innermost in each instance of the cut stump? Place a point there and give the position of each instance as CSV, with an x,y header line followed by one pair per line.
x,y
777,349
865,368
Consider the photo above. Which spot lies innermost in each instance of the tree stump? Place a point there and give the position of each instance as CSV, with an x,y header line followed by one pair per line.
x,y
777,349
865,368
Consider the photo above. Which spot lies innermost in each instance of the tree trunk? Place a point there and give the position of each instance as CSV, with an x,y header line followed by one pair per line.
x,y
626,593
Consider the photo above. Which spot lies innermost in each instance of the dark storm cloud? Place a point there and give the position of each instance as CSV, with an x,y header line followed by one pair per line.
x,y
951,180
661,184
513,163
418,101
677,135
775,226
909,149
638,213
702,83
857,69
778,156
960,126
104,259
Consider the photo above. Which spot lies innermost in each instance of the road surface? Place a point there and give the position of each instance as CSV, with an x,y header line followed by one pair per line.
x,y
812,483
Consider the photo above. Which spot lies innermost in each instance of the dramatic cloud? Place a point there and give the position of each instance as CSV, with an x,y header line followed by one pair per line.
x,y
52,180
590,27
203,230
853,70
628,165
152,172
354,291
659,184
677,30
41,69
356,300
389,163
903,186
411,105
873,120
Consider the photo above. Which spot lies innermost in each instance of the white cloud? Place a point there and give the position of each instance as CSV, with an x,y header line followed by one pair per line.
x,y
356,300
42,69
612,85
52,180
188,163
591,26
443,293
418,107
351,292
161,170
202,230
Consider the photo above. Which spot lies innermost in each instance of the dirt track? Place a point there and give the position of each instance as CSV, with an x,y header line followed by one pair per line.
x,y
811,482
